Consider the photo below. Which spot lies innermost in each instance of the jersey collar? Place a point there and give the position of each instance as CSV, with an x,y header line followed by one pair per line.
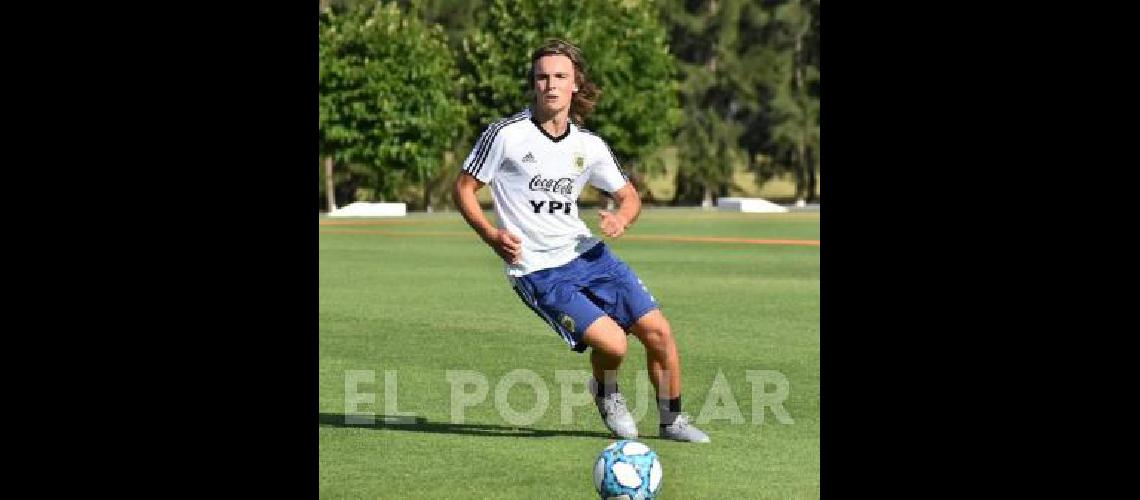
x,y
569,125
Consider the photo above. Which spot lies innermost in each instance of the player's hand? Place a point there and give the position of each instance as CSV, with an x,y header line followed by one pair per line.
x,y
507,245
613,225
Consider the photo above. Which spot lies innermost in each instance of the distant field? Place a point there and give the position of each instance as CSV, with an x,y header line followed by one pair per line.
x,y
421,295
743,182
662,186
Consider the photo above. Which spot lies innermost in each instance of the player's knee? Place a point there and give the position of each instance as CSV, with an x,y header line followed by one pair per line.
x,y
658,336
618,346
613,346
607,337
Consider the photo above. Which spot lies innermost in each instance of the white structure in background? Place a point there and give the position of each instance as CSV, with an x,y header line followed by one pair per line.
x,y
748,205
365,209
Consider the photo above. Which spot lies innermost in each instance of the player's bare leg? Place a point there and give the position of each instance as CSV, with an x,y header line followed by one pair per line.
x,y
608,348
661,357
664,365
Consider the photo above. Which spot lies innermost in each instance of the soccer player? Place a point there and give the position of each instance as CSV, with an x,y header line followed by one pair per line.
x,y
537,162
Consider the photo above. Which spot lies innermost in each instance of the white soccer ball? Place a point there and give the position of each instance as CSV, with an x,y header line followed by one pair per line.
x,y
627,470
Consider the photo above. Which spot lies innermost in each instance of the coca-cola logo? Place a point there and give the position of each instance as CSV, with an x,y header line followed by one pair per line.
x,y
564,185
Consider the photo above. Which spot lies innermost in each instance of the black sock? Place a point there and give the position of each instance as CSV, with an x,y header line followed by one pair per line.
x,y
604,389
669,409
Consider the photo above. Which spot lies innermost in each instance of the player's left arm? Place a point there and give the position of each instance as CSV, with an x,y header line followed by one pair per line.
x,y
629,207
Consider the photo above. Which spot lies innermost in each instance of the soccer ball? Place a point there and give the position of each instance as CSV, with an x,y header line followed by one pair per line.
x,y
627,470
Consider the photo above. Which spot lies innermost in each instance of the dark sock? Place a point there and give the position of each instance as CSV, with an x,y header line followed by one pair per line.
x,y
669,409
604,389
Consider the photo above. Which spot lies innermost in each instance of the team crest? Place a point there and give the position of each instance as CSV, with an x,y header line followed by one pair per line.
x,y
567,322
579,162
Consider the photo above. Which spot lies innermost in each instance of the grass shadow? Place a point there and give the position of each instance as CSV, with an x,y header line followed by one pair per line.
x,y
420,424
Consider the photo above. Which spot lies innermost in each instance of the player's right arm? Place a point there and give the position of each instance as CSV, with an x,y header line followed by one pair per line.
x,y
507,245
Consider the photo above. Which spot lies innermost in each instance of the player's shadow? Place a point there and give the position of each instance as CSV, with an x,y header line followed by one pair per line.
x,y
421,424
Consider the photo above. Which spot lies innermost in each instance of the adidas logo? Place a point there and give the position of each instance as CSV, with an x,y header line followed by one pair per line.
x,y
529,158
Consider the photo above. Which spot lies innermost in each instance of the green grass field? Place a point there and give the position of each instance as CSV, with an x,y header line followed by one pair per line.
x,y
422,295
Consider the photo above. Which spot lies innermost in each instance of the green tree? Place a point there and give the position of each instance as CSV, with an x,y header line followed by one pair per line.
x,y
750,92
389,97
795,104
627,53
707,40
456,17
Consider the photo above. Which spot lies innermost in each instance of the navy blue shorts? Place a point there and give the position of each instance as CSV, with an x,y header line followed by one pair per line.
x,y
572,296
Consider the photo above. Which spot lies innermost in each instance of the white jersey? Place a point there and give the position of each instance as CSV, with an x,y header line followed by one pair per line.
x,y
535,183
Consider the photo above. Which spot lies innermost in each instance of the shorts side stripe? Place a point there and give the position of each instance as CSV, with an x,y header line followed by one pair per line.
x,y
533,305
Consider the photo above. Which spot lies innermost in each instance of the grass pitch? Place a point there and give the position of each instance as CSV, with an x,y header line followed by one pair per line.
x,y
422,295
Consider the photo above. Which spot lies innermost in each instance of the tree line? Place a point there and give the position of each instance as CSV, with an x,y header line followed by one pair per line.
x,y
405,87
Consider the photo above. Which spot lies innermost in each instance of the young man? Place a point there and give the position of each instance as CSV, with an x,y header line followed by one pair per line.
x,y
539,160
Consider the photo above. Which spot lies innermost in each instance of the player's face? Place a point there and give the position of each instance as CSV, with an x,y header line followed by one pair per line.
x,y
553,82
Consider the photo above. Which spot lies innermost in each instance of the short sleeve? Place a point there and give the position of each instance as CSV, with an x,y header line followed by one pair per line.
x,y
605,174
485,157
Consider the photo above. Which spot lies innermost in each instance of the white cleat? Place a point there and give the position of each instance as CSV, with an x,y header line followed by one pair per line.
x,y
615,414
682,430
